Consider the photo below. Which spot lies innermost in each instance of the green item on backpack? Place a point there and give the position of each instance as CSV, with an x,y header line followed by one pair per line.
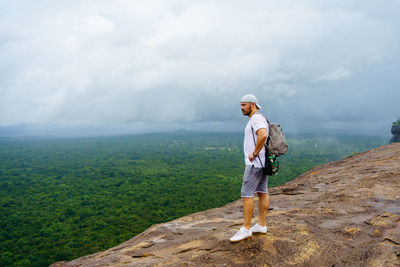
x,y
274,164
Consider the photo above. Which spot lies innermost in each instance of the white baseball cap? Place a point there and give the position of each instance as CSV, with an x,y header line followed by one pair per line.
x,y
250,99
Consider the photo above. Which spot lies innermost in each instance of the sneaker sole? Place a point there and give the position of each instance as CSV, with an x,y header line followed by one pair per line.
x,y
260,233
247,237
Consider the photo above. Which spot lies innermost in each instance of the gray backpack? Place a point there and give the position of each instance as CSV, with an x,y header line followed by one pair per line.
x,y
275,146
276,142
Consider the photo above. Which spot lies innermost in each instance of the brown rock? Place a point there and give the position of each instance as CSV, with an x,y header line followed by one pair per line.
x,y
344,213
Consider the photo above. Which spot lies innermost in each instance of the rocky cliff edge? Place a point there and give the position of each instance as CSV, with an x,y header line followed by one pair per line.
x,y
344,213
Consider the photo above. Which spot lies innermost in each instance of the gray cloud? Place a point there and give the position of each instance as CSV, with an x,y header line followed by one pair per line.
x,y
177,63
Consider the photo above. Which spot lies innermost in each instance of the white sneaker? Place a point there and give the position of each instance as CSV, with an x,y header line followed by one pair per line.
x,y
243,233
258,229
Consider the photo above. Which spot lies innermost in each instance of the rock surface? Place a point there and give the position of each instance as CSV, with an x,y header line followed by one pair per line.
x,y
396,133
344,213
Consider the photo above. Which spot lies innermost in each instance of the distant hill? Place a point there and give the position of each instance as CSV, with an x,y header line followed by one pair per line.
x,y
344,213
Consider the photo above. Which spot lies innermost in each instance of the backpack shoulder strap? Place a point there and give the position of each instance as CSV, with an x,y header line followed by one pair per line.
x,y
269,128
258,156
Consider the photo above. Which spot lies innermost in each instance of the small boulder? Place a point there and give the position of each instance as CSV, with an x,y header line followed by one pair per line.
x,y
395,132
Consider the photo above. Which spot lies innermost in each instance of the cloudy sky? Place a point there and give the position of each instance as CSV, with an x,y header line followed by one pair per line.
x,y
136,66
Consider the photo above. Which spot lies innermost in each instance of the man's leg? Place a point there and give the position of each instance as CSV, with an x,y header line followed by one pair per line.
x,y
248,188
263,206
248,206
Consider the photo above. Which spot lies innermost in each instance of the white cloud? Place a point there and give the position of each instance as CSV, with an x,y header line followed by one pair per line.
x,y
104,62
333,75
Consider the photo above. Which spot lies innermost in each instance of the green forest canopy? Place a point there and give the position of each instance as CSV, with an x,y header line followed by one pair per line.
x,y
65,198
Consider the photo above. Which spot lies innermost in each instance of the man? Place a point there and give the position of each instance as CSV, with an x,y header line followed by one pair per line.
x,y
254,181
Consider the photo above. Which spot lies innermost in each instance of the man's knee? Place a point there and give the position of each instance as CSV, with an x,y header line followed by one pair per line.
x,y
248,199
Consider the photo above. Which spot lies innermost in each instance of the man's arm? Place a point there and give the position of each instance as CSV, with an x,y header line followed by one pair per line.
x,y
261,138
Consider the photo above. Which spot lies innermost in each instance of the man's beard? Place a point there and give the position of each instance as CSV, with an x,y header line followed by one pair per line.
x,y
246,113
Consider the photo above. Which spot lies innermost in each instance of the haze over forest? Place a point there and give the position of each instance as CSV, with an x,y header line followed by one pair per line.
x,y
127,67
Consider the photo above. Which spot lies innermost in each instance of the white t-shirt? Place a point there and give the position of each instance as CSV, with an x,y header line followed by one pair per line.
x,y
257,121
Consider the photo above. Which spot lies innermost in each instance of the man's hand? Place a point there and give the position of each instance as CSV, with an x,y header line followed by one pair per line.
x,y
251,158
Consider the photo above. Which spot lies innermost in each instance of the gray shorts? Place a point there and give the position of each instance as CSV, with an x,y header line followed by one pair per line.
x,y
254,181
